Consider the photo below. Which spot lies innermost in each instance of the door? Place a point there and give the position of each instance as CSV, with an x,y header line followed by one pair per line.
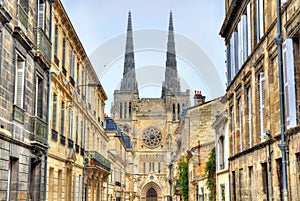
x,y
151,195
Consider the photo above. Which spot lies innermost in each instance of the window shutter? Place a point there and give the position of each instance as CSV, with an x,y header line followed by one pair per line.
x,y
236,54
240,123
228,64
19,83
41,14
262,105
62,123
240,44
249,116
244,38
249,29
70,124
261,18
289,83
54,112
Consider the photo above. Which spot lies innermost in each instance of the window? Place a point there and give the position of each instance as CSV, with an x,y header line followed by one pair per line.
x,y
129,109
178,111
265,180
77,130
41,14
12,179
121,111
259,19
19,81
99,109
39,96
279,176
82,133
144,168
240,123
56,41
23,12
228,64
261,83
174,112
240,182
248,91
62,118
233,186
72,65
79,187
54,112
78,77
221,152
289,83
125,112
158,167
232,128
251,182
64,54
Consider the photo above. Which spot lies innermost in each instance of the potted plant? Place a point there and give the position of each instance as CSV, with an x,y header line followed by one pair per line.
x,y
92,161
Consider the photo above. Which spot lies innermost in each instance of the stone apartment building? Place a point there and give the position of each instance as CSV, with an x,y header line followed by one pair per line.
x,y
253,104
25,57
196,139
121,181
78,166
222,152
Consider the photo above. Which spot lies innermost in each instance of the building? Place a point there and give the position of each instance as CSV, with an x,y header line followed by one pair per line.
x,y
119,150
78,165
253,98
222,152
196,139
150,122
25,56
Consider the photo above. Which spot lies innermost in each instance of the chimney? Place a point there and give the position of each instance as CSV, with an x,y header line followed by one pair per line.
x,y
198,98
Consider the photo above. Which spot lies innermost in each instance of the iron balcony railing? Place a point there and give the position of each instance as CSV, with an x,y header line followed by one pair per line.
x,y
22,16
43,44
99,160
39,130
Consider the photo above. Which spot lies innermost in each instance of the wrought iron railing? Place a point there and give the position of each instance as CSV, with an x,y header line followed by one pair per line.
x,y
18,114
43,44
100,160
39,130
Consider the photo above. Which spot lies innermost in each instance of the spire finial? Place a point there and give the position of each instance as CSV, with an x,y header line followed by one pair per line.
x,y
129,82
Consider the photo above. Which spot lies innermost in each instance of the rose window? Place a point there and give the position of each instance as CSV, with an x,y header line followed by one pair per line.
x,y
152,137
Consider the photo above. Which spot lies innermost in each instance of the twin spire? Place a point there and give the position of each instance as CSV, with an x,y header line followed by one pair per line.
x,y
171,86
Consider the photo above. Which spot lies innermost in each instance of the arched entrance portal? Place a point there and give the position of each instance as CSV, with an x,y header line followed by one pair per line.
x,y
151,192
151,195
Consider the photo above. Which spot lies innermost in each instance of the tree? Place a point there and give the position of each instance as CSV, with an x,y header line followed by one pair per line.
x,y
184,178
210,171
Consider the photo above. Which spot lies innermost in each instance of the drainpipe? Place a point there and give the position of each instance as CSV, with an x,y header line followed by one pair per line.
x,y
282,146
48,109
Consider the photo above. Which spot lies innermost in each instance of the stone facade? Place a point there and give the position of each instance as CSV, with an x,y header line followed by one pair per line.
x,y
253,104
196,139
78,165
24,65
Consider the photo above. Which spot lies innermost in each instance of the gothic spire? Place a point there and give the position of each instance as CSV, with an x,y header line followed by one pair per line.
x,y
129,82
172,83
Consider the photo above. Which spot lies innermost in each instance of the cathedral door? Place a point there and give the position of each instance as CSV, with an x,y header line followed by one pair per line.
x,y
151,195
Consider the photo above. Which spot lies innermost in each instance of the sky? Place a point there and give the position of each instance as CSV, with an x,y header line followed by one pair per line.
x,y
101,27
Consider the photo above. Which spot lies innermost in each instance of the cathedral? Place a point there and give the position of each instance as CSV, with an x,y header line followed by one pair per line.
x,y
151,123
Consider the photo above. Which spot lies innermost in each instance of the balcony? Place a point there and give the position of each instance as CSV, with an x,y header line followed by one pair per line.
x,y
97,160
39,130
18,114
22,16
43,45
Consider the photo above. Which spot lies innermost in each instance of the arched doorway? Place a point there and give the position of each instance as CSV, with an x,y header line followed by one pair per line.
x,y
151,195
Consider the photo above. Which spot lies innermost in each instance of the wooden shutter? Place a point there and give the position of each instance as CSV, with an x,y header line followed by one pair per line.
x,y
249,116
19,83
261,18
228,64
71,124
244,38
240,45
249,29
289,83
41,14
62,119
